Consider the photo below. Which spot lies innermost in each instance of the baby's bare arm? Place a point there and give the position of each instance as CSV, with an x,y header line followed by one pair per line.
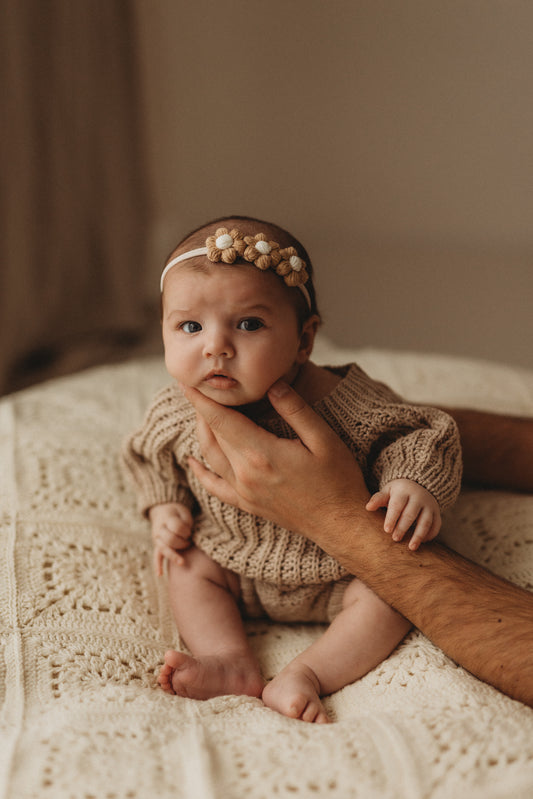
x,y
172,525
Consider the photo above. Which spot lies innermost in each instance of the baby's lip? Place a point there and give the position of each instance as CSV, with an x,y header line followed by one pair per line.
x,y
217,373
218,378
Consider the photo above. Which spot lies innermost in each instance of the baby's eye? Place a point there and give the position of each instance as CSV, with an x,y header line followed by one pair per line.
x,y
190,327
250,324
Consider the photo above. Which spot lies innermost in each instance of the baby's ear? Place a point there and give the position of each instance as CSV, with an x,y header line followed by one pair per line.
x,y
307,338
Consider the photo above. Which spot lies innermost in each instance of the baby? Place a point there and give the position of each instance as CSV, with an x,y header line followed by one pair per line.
x,y
238,313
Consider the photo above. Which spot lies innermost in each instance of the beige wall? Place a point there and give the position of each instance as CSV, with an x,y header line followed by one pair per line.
x,y
395,137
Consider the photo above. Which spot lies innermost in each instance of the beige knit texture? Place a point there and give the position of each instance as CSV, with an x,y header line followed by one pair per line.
x,y
84,624
389,438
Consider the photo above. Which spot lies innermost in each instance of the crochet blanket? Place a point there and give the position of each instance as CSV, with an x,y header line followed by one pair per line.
x,y
84,624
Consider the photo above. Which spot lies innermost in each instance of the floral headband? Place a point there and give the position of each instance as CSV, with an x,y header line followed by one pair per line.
x,y
226,246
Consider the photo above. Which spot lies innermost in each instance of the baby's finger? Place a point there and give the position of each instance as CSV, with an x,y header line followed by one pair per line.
x,y
435,527
164,538
435,530
185,514
172,555
378,500
177,526
423,529
158,562
406,521
177,542
394,516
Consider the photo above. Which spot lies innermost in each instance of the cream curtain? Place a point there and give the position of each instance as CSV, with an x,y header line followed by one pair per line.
x,y
73,191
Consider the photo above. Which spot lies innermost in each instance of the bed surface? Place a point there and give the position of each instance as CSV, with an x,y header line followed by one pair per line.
x,y
84,624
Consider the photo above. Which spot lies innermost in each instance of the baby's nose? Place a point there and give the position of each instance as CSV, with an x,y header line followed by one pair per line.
x,y
219,345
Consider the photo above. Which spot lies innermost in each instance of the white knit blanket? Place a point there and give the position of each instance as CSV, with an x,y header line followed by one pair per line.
x,y
84,624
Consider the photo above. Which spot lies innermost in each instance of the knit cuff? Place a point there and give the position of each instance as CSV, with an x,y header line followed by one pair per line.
x,y
443,483
152,492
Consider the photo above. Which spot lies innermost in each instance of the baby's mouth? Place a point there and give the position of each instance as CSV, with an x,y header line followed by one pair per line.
x,y
220,380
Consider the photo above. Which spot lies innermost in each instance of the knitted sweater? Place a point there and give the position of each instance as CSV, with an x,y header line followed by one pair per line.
x,y
389,438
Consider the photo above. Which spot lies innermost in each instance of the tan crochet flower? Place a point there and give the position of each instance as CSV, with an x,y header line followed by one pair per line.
x,y
262,252
292,268
225,245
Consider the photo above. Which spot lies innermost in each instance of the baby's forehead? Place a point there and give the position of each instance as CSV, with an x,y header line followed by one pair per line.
x,y
238,284
243,276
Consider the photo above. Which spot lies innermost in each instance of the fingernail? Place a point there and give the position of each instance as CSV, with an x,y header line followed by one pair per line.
x,y
279,389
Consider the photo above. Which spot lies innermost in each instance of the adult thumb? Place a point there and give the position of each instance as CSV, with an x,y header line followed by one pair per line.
x,y
310,428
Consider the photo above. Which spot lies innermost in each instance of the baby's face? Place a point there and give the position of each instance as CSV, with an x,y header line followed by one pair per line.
x,y
230,332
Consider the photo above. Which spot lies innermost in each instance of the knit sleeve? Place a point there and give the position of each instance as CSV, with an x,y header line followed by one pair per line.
x,y
148,456
393,439
420,444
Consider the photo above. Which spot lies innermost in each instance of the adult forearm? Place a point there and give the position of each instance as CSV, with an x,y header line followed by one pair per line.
x,y
497,449
312,485
479,620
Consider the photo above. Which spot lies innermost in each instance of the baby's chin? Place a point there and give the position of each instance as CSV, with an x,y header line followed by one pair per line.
x,y
232,400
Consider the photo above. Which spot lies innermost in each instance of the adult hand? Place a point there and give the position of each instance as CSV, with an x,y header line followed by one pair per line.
x,y
296,483
314,486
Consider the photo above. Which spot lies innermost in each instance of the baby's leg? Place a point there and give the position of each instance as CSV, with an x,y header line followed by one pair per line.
x,y
363,634
203,599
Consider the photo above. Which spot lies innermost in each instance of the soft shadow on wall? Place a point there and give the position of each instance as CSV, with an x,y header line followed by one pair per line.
x,y
74,190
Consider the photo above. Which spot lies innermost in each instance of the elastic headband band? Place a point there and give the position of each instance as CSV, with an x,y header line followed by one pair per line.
x,y
183,257
226,246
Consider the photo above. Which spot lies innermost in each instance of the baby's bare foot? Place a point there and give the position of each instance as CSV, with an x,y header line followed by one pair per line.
x,y
294,692
205,677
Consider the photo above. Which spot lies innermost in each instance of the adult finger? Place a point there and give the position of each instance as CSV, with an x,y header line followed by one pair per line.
x,y
330,454
314,433
215,484
229,427
210,448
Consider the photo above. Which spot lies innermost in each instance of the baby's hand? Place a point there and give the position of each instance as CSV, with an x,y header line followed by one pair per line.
x,y
171,531
408,505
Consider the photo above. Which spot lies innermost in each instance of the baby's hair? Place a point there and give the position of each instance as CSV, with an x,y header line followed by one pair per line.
x,y
286,240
